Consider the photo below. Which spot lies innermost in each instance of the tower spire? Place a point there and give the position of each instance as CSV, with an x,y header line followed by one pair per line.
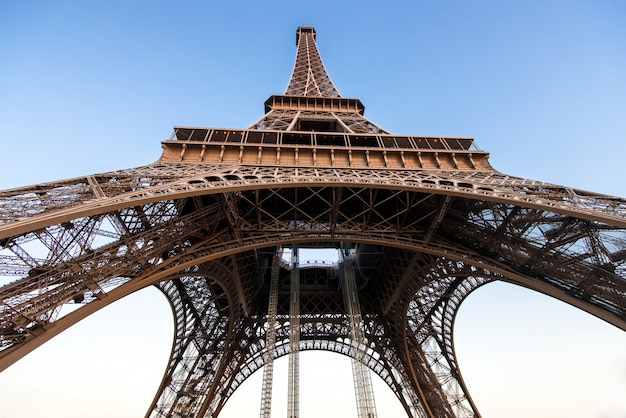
x,y
311,102
309,77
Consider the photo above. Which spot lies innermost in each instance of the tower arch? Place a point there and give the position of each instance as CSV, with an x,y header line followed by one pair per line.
x,y
430,217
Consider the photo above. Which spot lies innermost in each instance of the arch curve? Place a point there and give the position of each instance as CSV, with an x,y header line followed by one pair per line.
x,y
577,259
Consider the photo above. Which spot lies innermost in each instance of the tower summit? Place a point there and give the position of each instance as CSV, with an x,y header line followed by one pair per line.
x,y
421,222
309,77
311,102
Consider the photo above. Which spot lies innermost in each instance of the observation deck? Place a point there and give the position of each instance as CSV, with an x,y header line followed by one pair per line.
x,y
322,149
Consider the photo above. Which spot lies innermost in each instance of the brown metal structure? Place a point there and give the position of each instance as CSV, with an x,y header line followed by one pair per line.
x,y
427,219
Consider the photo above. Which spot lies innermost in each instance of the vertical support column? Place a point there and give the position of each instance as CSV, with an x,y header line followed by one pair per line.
x,y
270,341
366,407
411,398
293,392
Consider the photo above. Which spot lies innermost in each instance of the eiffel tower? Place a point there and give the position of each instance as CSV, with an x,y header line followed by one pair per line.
x,y
218,222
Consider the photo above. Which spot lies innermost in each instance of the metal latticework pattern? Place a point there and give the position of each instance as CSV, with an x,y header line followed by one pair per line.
x,y
366,405
309,77
427,219
270,341
293,384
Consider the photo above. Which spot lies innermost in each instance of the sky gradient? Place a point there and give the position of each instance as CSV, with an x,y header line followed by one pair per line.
x,y
541,85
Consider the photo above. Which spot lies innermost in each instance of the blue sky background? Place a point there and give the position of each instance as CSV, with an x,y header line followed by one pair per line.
x,y
93,87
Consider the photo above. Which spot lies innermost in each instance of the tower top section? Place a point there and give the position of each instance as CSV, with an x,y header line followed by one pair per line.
x,y
309,77
308,29
311,125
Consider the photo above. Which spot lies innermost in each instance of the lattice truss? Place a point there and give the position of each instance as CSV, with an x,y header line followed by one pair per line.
x,y
206,235
309,77
438,235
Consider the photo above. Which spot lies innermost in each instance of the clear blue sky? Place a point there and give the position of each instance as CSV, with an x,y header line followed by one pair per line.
x,y
87,87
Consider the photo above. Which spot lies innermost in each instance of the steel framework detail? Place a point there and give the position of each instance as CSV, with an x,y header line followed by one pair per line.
x,y
427,219
364,392
270,340
293,385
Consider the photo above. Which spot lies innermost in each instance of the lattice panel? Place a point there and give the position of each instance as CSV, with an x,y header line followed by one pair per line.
x,y
309,77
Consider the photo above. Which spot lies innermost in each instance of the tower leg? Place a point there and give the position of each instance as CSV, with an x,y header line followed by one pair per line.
x,y
428,339
198,352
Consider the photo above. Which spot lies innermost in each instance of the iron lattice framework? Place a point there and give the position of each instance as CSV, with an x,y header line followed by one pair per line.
x,y
427,219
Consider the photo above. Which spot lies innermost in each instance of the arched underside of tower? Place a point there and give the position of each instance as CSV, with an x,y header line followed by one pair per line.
x,y
423,241
426,219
